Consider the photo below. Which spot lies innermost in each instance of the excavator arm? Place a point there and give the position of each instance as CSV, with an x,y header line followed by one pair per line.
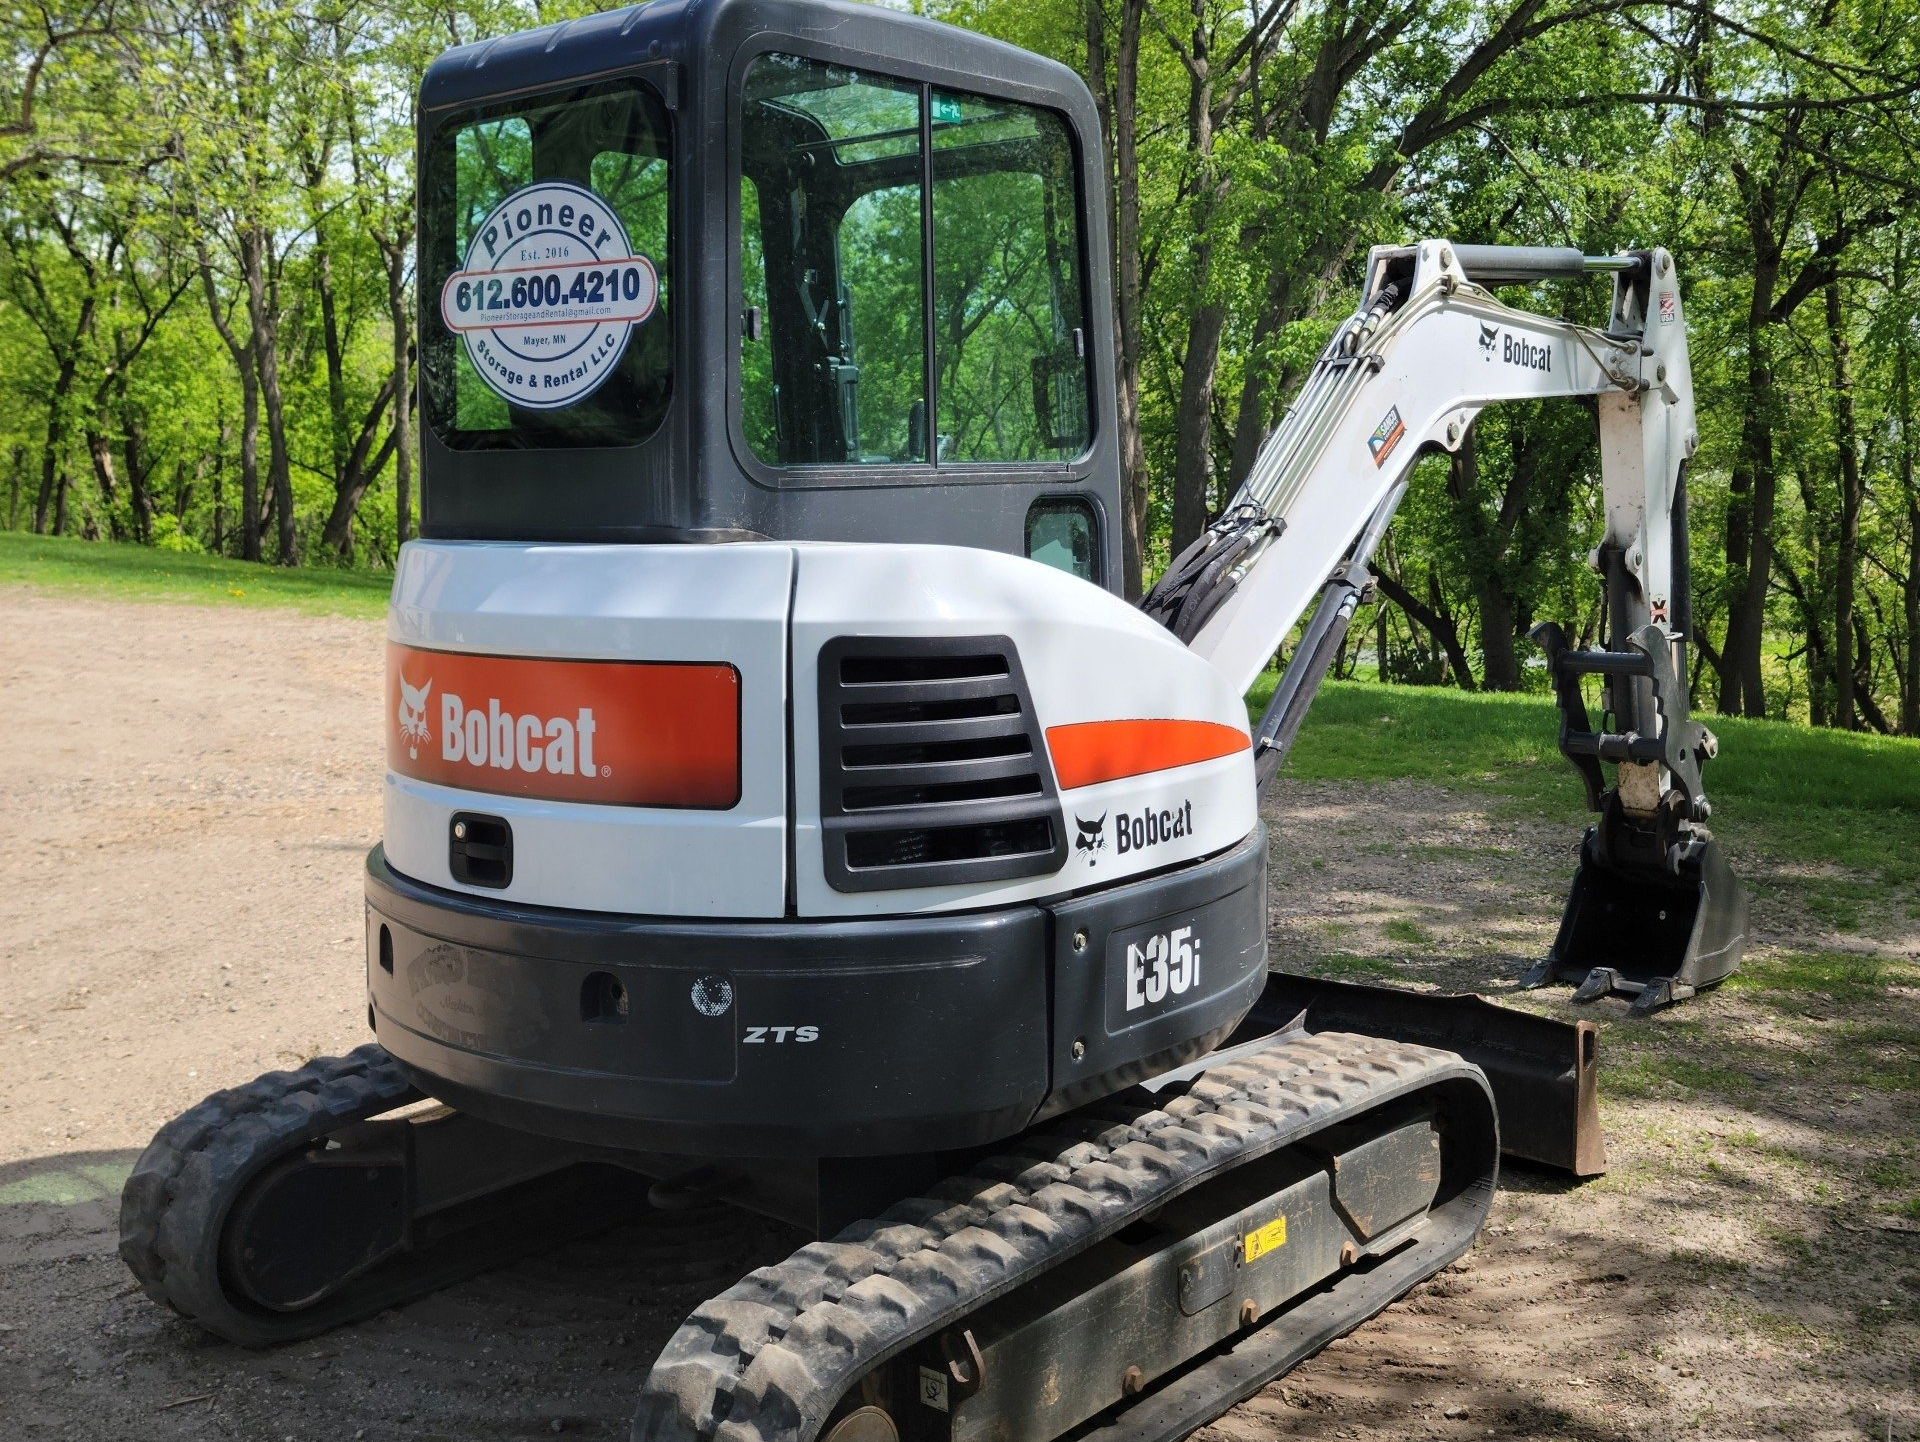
x,y
1654,911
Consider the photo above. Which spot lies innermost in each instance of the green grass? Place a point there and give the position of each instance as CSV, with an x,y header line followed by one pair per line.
x,y
1842,978
142,573
1650,1073
1345,966
1797,795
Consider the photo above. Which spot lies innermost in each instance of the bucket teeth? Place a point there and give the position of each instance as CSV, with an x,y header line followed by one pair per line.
x,y
1600,981
1539,974
1657,994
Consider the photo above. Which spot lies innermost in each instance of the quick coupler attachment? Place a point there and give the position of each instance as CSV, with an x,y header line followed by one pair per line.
x,y
1655,913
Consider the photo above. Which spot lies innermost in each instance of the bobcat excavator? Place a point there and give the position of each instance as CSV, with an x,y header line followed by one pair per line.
x,y
785,809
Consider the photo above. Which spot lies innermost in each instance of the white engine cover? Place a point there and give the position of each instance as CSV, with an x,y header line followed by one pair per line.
x,y
765,609
1088,657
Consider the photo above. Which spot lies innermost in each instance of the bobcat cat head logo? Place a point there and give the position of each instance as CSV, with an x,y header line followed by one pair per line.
x,y
413,716
1488,336
1093,835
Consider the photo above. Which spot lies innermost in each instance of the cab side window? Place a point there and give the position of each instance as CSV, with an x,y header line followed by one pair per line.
x,y
1009,340
833,349
854,349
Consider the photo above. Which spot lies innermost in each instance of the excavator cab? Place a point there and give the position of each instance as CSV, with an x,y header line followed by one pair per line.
x,y
778,271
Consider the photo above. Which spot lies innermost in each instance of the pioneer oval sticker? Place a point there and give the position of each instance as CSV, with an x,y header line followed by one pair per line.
x,y
548,295
623,733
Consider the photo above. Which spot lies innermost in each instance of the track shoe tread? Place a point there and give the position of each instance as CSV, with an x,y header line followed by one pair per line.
x,y
927,1262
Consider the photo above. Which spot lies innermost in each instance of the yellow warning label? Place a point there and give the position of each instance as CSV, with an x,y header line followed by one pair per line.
x,y
1270,1238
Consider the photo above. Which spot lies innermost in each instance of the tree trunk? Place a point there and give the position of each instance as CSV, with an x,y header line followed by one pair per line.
x,y
16,473
242,355
53,481
1847,548
1193,426
1487,548
220,495
100,451
1129,292
1250,416
139,494
1910,488
1750,513
1818,652
1282,307
1435,622
336,363
263,309
1193,419
337,534
250,515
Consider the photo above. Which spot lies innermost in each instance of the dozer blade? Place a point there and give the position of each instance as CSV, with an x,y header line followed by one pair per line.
x,y
1542,1072
1655,937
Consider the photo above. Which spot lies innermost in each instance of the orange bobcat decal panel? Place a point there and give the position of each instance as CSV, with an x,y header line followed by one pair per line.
x,y
623,733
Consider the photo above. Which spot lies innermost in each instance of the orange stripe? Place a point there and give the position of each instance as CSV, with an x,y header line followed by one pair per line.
x,y
1090,752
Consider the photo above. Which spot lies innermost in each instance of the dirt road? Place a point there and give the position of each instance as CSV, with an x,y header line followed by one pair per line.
x,y
185,795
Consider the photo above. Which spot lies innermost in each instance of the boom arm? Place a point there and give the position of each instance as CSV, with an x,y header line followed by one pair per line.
x,y
1428,349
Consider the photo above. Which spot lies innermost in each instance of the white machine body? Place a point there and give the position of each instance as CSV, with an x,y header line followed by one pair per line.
x,y
765,610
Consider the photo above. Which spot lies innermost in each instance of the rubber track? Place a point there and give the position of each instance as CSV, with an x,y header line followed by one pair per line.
x,y
768,1359
175,1202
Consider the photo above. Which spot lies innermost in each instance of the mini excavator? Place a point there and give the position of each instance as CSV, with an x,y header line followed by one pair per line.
x,y
785,808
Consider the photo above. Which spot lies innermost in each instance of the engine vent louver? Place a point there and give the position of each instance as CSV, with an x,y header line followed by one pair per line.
x,y
933,770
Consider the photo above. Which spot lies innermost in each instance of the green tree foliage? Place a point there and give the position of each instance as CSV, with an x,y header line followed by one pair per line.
x,y
206,288
1258,147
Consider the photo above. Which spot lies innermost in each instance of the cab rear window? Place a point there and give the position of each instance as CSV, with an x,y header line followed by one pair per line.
x,y
545,253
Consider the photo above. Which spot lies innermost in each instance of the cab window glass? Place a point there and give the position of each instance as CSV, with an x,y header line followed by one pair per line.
x,y
758,417
491,161
1008,339
843,176
1060,534
833,349
545,252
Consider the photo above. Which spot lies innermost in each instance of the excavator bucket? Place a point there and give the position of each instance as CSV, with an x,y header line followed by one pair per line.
x,y
1659,939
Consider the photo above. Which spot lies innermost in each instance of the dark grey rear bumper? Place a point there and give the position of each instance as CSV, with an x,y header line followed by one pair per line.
x,y
807,1038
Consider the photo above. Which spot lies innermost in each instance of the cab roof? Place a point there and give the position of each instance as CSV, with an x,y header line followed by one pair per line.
x,y
707,32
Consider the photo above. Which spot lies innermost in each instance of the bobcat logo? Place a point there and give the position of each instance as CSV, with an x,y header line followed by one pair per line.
x,y
1489,337
413,716
1092,837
